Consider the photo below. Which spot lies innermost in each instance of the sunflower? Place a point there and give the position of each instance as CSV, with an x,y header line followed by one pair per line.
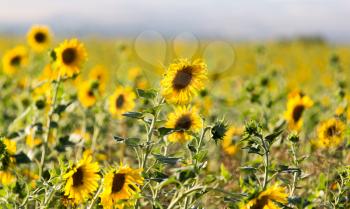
x,y
121,101
228,143
99,73
183,80
7,177
39,38
87,93
11,146
14,60
266,199
81,180
295,107
120,186
70,55
183,119
330,133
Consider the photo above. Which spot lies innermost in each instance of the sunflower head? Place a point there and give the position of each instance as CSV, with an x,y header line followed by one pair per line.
x,y
14,60
183,120
267,198
120,186
229,143
100,74
70,55
121,101
39,38
183,80
81,180
296,105
87,93
330,133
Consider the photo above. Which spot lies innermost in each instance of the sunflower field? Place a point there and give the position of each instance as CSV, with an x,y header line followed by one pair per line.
x,y
121,123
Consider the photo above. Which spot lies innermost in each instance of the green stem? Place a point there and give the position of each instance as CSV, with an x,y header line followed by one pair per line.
x,y
266,162
174,202
48,125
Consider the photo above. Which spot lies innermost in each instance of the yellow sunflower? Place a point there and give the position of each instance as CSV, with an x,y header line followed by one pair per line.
x,y
330,133
183,80
7,177
120,185
87,93
266,199
121,101
99,73
39,38
183,119
81,180
70,55
14,60
228,143
10,146
295,107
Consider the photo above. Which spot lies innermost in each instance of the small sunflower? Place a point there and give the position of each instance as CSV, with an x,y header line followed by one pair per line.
x,y
266,199
183,119
6,177
14,60
99,73
121,101
39,38
183,80
229,142
330,133
120,185
70,55
81,180
87,93
296,105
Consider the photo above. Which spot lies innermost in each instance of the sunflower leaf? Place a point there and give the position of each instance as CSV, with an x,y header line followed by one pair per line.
x,y
166,159
136,115
22,158
147,94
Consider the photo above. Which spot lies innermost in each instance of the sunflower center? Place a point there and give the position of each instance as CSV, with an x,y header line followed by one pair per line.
x,y
184,122
40,37
119,101
182,78
16,60
332,131
69,55
260,203
91,93
78,177
297,112
118,182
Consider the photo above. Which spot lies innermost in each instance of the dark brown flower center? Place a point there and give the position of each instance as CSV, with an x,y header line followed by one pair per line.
x,y
298,112
69,55
118,182
40,37
332,131
183,78
119,101
16,60
184,122
260,203
78,177
90,93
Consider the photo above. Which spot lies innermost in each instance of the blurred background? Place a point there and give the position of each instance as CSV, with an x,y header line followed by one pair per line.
x,y
223,19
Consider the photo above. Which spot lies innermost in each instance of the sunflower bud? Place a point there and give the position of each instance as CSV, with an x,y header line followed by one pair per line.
x,y
293,138
218,131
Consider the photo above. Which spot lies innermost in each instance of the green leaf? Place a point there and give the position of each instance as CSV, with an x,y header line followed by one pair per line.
x,y
132,142
147,94
166,159
271,137
22,158
224,172
136,115
163,131
248,169
201,155
61,108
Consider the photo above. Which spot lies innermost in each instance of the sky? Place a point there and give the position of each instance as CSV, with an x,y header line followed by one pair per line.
x,y
232,19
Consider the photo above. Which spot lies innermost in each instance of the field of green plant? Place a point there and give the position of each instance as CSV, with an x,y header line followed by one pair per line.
x,y
164,124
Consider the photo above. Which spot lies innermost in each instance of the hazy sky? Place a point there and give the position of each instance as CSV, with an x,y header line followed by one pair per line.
x,y
247,19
